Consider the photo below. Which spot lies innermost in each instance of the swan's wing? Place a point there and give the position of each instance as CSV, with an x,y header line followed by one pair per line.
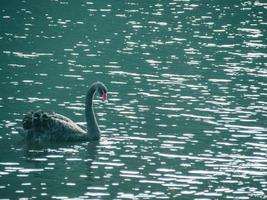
x,y
66,123
61,117
45,126
65,129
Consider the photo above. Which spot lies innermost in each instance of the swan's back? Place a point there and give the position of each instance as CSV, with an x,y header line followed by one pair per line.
x,y
41,125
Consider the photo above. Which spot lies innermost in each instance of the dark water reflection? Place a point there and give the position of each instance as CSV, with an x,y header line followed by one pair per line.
x,y
186,117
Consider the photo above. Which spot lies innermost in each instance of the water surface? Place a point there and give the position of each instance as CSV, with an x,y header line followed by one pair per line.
x,y
186,116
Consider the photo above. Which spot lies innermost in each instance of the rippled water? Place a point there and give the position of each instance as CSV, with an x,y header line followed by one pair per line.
x,y
186,117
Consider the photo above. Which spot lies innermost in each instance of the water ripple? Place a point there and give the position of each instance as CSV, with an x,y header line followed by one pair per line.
x,y
186,112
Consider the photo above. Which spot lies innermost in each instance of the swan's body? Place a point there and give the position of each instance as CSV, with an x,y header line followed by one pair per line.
x,y
39,126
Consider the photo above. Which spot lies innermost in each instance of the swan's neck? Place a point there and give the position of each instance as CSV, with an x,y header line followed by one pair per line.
x,y
92,126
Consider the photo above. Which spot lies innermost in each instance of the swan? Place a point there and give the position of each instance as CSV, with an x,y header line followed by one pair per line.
x,y
44,126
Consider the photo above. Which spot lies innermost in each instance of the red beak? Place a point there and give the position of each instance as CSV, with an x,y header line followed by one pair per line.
x,y
104,97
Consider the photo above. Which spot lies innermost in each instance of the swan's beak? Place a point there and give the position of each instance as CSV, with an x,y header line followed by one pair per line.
x,y
104,97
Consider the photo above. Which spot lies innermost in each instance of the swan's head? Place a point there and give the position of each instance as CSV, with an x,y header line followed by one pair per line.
x,y
102,90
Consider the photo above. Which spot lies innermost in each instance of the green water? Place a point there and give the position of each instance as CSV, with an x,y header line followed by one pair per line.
x,y
186,116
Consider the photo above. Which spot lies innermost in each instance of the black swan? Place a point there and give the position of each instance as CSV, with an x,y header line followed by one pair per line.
x,y
43,126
